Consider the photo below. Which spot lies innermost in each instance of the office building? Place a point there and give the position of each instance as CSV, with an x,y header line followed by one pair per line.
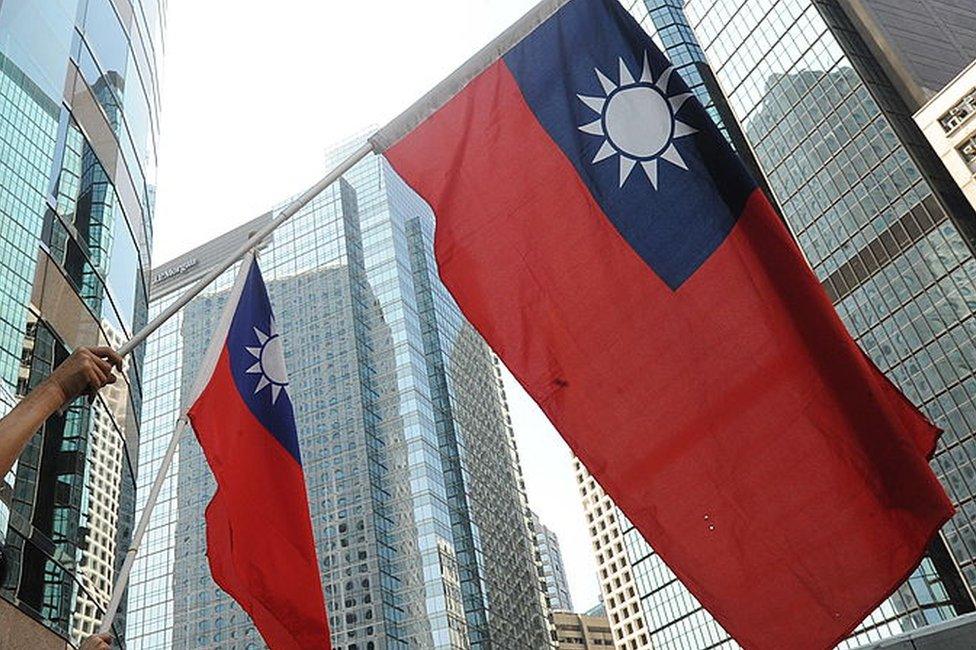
x,y
948,124
79,106
582,631
881,223
626,613
668,26
414,483
553,569
878,217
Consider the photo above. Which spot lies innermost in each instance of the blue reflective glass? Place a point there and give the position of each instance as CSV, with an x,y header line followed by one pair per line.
x,y
106,87
106,37
24,24
136,110
123,273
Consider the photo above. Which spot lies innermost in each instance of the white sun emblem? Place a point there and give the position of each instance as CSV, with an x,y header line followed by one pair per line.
x,y
637,121
270,362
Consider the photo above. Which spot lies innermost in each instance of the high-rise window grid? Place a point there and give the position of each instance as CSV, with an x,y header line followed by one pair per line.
x,y
413,480
77,157
850,175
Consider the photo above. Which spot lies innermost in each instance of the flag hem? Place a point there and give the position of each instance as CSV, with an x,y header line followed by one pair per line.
x,y
916,562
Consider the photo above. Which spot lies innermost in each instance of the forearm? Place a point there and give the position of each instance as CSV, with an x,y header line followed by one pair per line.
x,y
85,371
17,427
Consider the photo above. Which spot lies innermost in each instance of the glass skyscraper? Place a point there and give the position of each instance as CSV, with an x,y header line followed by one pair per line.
x,y
667,24
664,20
880,222
553,570
832,141
78,128
415,488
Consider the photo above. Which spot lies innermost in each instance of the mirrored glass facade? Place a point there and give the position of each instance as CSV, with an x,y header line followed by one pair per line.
x,y
415,488
880,223
78,131
807,137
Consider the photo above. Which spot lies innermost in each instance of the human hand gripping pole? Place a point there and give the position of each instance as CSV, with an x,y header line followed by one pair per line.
x,y
85,372
250,245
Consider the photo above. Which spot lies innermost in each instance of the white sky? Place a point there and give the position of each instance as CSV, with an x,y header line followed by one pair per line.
x,y
255,92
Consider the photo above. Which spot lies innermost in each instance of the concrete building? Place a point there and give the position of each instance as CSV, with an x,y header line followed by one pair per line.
x,y
553,569
414,482
605,523
79,106
948,124
582,632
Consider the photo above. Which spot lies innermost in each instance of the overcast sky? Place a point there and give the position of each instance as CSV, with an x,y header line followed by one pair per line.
x,y
255,92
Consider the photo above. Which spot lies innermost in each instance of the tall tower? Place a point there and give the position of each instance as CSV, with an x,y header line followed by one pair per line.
x,y
825,101
414,482
629,621
79,103
553,570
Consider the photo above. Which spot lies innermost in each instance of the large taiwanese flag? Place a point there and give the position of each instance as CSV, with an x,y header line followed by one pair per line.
x,y
599,232
259,535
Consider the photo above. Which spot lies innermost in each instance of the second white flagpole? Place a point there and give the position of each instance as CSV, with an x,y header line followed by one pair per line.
x,y
123,578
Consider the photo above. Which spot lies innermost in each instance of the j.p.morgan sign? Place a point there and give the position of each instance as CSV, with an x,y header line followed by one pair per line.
x,y
179,269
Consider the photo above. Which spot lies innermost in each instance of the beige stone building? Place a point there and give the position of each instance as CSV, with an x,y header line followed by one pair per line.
x,y
948,121
582,631
616,577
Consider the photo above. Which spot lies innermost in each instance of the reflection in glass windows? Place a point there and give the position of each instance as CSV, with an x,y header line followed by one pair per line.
x,y
871,209
78,108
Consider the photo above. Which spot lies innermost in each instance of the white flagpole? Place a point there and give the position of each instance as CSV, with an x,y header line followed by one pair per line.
x,y
123,578
250,244
204,374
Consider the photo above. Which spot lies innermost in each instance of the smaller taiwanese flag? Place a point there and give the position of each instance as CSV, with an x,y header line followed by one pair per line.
x,y
601,234
259,534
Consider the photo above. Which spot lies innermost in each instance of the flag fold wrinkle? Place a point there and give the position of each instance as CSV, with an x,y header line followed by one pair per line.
x,y
259,535
598,230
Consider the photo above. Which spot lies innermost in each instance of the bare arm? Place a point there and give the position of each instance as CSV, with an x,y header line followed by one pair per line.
x,y
85,371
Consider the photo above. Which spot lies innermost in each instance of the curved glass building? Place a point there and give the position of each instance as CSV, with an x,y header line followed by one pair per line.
x,y
79,111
